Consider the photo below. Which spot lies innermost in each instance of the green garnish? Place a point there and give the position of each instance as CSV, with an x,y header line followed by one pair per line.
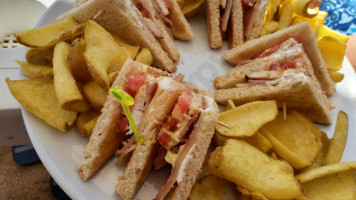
x,y
126,100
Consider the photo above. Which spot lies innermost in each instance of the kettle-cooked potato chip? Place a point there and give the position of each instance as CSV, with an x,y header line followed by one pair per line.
x,y
248,167
296,139
246,119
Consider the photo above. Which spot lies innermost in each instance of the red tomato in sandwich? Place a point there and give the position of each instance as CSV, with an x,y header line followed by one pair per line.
x,y
182,105
163,138
134,83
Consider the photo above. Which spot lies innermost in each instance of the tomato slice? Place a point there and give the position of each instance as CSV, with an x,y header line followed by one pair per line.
x,y
182,105
163,138
134,83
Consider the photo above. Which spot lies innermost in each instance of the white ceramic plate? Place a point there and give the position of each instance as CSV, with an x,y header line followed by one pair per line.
x,y
60,152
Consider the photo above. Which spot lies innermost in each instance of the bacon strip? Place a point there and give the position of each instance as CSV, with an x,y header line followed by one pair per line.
x,y
226,16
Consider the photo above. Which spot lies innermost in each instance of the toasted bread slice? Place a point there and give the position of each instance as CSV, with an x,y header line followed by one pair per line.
x,y
235,29
213,19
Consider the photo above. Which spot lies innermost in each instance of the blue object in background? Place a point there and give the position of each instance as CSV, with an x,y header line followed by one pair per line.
x,y
341,15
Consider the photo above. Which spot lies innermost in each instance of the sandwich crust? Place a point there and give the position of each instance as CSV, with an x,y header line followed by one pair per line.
x,y
235,28
213,19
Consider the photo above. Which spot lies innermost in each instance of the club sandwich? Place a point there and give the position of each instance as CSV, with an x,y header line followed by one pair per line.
x,y
283,71
175,120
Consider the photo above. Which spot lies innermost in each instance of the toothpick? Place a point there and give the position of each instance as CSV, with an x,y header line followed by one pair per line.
x,y
224,125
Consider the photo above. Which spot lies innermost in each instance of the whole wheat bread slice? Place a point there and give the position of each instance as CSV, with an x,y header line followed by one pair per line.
x,y
105,140
120,17
213,19
235,28
304,34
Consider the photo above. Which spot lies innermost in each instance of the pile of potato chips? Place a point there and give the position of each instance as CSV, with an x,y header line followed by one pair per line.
x,y
263,153
71,67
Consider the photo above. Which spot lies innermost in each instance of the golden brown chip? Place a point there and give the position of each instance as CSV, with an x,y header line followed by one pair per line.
x,y
38,97
95,94
66,87
338,142
49,35
318,172
39,56
330,187
296,139
144,56
259,141
83,120
76,61
212,187
248,167
102,52
245,120
33,70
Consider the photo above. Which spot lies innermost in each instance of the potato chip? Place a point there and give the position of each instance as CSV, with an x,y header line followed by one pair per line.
x,y
132,49
338,142
37,95
330,187
212,187
318,162
248,167
259,141
95,94
245,120
76,61
33,70
102,52
39,56
144,56
67,91
247,195
49,35
296,139
325,170
83,119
